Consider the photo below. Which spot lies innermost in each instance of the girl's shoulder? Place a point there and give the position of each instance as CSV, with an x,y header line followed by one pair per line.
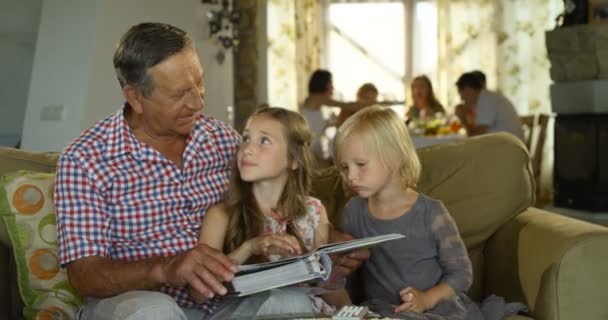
x,y
314,205
355,205
432,207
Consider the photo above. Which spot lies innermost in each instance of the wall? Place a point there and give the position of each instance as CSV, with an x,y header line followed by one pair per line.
x,y
18,30
73,63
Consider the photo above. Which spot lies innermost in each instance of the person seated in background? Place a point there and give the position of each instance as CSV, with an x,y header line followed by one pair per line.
x,y
366,94
320,93
425,104
485,111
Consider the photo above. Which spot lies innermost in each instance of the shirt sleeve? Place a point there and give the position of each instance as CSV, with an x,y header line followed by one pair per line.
x,y
453,257
486,110
83,228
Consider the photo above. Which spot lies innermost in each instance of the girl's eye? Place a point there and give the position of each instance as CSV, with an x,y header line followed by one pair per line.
x,y
361,164
265,140
245,139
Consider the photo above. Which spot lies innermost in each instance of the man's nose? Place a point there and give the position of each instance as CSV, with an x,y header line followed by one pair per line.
x,y
195,100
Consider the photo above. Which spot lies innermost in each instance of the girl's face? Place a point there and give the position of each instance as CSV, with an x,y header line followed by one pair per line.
x,y
262,155
365,172
420,91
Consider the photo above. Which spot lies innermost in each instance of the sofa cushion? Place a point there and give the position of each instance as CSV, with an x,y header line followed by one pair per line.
x,y
484,181
27,208
12,159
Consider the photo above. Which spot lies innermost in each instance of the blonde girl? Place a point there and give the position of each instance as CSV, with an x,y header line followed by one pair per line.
x,y
429,271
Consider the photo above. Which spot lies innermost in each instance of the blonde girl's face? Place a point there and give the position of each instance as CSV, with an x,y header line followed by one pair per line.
x,y
262,155
420,91
363,169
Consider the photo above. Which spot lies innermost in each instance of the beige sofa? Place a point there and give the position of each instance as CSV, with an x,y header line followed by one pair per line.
x,y
555,265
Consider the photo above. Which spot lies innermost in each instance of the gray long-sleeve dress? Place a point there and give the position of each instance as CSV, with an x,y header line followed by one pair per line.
x,y
431,253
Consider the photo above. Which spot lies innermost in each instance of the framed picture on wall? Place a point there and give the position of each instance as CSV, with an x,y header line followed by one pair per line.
x,y
598,11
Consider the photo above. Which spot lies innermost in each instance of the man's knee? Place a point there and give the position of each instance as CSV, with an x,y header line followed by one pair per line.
x,y
134,305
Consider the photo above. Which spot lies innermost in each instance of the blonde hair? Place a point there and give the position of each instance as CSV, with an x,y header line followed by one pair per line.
x,y
245,220
383,132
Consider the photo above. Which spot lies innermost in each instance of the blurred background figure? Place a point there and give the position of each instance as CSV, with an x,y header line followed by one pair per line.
x,y
485,111
320,94
366,94
424,103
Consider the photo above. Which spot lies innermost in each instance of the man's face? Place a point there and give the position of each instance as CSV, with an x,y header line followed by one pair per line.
x,y
177,96
469,96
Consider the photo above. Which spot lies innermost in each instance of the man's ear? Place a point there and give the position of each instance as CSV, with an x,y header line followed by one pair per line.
x,y
133,97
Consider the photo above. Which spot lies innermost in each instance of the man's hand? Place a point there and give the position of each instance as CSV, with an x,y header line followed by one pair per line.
x,y
202,269
413,300
346,263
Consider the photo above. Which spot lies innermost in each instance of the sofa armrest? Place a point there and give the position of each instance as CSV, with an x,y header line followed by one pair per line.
x,y
556,265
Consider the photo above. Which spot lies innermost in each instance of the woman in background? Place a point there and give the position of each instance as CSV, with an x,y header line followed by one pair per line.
x,y
425,104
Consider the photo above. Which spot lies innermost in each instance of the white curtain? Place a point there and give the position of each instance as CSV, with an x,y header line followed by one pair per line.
x,y
293,49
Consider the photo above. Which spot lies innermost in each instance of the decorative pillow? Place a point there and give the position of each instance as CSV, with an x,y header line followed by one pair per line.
x,y
26,205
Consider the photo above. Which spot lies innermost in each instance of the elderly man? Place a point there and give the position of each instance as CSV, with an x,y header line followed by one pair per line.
x,y
132,190
485,111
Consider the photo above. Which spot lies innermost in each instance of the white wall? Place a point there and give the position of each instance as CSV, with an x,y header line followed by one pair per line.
x,y
18,29
73,63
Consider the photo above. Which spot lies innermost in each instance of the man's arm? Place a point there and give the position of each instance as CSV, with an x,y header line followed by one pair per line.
x,y
200,268
467,118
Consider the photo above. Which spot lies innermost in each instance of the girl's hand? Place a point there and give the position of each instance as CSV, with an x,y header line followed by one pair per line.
x,y
278,243
413,300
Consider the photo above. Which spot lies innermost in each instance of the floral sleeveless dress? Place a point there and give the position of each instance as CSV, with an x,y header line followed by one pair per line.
x,y
307,227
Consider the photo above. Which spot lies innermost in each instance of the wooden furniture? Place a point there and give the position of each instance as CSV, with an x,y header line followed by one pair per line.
x,y
535,132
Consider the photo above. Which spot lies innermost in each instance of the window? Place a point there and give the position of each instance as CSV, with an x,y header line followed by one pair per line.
x,y
385,43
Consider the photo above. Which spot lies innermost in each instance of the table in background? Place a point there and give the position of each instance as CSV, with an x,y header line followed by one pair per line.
x,y
425,141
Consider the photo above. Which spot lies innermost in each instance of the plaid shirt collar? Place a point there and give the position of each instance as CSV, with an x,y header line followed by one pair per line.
x,y
122,140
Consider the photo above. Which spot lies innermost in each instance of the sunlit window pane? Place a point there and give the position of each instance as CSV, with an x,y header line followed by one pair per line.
x,y
366,44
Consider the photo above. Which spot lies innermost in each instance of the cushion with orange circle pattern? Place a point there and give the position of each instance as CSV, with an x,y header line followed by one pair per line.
x,y
26,205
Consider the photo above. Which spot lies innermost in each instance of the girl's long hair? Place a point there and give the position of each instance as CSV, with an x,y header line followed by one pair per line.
x,y
245,220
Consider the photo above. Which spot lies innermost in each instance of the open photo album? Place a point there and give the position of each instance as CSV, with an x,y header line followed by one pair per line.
x,y
315,265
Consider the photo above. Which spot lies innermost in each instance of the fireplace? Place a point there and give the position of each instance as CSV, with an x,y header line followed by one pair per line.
x,y
580,177
579,97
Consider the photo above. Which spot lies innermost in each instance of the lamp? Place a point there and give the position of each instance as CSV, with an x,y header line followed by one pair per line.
x,y
223,22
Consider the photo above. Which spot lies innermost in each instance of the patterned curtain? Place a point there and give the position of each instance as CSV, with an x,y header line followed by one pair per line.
x,y
503,38
506,40
293,49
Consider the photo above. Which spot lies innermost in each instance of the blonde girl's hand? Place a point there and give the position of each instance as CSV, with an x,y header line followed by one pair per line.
x,y
278,243
413,300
